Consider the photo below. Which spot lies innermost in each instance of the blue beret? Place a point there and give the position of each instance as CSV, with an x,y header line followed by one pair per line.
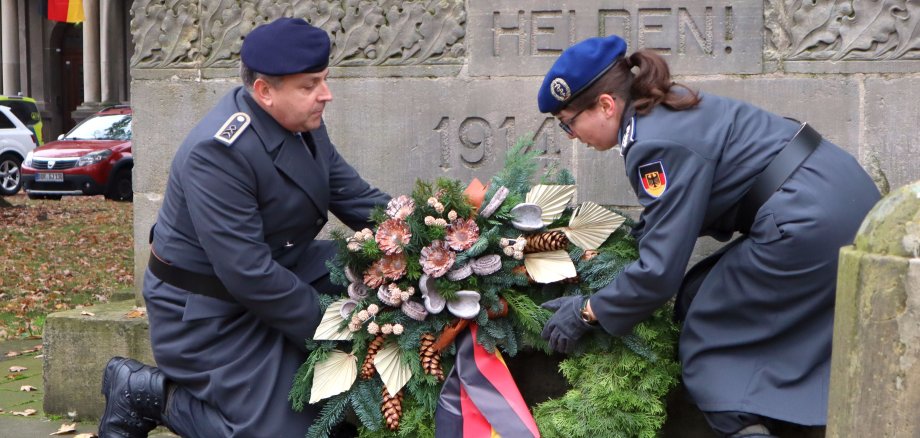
x,y
576,69
286,46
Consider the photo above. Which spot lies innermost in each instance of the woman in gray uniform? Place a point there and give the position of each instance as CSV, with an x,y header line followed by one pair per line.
x,y
755,343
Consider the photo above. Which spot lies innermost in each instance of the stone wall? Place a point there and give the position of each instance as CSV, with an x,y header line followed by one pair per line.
x,y
425,88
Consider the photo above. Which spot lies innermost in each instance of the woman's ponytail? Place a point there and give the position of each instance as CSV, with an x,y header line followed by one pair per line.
x,y
652,85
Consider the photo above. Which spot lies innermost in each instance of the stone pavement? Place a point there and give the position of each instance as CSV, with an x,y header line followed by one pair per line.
x,y
13,399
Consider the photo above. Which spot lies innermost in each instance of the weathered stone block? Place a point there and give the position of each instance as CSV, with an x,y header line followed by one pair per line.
x,y
508,38
170,111
875,366
146,206
397,130
76,349
890,125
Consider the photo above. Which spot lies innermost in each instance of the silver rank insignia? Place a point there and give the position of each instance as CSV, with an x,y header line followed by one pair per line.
x,y
629,136
233,127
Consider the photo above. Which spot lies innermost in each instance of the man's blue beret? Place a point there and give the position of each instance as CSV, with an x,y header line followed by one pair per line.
x,y
576,69
286,46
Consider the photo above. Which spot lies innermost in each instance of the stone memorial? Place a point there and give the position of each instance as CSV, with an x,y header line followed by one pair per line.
x,y
429,88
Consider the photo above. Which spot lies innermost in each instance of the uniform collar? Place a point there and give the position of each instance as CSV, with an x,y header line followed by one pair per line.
x,y
627,132
266,127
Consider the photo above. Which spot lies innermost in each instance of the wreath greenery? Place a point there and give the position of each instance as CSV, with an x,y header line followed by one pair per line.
x,y
617,385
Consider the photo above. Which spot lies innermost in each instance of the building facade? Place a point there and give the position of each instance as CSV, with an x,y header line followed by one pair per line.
x,y
70,69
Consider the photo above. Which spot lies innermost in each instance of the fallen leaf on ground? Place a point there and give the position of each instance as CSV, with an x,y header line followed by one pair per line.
x,y
85,313
17,369
138,312
40,356
27,388
25,413
65,429
86,435
12,353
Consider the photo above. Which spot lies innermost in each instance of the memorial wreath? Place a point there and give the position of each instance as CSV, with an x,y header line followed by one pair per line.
x,y
450,281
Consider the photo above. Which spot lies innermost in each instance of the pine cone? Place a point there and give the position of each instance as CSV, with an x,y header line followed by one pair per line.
x,y
391,408
367,369
431,358
548,241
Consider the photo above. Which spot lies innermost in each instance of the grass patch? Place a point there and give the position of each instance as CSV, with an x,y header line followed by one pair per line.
x,y
59,255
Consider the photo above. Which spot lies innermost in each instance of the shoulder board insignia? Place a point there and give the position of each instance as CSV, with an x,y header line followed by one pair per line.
x,y
233,127
629,136
653,179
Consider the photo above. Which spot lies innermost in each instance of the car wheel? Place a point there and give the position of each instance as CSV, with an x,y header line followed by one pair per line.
x,y
51,197
120,188
10,174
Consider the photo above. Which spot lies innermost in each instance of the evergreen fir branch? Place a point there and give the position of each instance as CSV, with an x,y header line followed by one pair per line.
x,y
565,177
448,289
379,215
550,172
303,379
575,253
453,198
638,346
337,271
370,250
425,390
611,392
329,416
520,167
502,332
365,400
526,313
486,238
413,269
503,215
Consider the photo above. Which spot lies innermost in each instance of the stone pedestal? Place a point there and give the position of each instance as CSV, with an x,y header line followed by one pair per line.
x,y
78,346
875,367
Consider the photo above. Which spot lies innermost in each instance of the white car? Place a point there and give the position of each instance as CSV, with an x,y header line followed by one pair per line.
x,y
16,141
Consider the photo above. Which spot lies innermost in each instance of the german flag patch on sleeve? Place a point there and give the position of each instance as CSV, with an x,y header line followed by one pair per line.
x,y
653,179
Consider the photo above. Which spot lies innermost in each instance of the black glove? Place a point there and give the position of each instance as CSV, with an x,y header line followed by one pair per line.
x,y
565,327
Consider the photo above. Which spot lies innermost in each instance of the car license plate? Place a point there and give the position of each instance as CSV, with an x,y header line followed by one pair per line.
x,y
49,177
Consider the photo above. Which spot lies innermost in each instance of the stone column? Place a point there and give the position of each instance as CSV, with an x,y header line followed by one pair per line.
x,y
10,36
111,25
875,366
90,51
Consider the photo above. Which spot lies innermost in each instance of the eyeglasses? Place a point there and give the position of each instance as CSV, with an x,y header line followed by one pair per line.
x,y
567,126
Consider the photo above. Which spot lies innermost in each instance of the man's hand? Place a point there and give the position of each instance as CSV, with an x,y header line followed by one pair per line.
x,y
565,327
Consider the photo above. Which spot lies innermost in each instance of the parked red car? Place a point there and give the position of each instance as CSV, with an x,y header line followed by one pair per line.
x,y
93,158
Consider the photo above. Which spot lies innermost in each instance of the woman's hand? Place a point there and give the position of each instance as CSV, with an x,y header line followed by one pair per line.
x,y
566,326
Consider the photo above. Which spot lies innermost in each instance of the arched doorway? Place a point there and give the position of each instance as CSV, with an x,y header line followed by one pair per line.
x,y
67,42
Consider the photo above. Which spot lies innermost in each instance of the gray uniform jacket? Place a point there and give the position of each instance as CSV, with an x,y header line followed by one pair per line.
x,y
248,213
757,337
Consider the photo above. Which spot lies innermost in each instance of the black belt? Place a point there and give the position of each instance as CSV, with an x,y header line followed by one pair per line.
x,y
805,141
193,282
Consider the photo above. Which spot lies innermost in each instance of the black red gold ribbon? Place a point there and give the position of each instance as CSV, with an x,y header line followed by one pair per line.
x,y
480,398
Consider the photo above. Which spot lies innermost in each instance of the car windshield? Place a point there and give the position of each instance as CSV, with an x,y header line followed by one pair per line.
x,y
108,127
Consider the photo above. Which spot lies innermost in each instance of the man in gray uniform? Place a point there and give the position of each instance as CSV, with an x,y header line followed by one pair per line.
x,y
231,289
756,339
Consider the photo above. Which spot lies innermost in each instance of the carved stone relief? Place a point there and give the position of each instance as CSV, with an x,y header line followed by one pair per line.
x,y
209,33
842,30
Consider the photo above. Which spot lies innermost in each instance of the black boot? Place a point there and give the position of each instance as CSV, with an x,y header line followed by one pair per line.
x,y
135,398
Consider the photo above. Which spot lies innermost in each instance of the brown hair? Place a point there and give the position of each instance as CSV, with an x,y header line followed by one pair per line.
x,y
652,85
